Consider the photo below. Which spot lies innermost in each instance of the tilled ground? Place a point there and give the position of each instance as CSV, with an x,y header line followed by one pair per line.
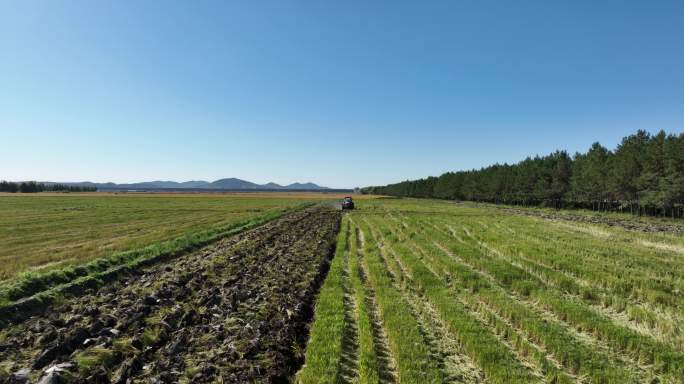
x,y
233,312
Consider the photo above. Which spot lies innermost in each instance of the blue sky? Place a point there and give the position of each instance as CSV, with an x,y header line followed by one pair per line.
x,y
343,94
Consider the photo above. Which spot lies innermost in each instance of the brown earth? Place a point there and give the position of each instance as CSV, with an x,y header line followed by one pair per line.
x,y
236,311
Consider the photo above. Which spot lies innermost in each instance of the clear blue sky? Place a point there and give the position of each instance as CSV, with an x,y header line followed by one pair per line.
x,y
339,93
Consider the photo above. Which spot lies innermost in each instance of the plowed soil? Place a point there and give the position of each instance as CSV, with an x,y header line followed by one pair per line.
x,y
233,312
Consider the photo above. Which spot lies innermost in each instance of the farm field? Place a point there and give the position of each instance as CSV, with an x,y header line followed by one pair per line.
x,y
41,232
427,291
650,224
233,311
395,291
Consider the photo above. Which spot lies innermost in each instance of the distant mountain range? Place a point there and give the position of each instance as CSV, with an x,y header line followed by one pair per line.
x,y
229,184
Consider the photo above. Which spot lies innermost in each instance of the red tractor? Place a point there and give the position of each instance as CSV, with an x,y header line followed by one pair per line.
x,y
348,203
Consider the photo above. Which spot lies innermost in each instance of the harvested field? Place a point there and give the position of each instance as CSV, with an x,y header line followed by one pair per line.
x,y
418,291
44,232
629,222
436,292
234,312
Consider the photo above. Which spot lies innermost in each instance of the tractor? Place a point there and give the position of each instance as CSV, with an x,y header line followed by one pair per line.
x,y
347,203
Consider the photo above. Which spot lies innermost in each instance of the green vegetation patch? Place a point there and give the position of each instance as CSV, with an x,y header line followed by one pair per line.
x,y
518,298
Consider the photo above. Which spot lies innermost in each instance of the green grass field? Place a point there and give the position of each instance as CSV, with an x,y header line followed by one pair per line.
x,y
41,232
427,291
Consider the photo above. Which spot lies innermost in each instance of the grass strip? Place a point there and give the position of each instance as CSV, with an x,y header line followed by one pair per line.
x,y
368,361
664,358
414,363
622,267
324,350
455,365
497,361
573,355
661,323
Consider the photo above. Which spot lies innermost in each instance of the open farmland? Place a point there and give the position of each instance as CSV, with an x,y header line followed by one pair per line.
x,y
426,291
50,231
396,291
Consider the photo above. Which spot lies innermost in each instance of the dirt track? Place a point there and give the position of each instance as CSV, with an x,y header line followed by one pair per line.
x,y
235,311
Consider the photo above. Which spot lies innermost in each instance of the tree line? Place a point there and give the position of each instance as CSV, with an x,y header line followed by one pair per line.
x,y
643,175
33,187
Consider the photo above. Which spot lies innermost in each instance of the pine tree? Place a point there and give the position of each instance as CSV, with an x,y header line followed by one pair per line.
x,y
672,184
653,171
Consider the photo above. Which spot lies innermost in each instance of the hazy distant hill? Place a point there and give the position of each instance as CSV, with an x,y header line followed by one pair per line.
x,y
194,184
231,183
302,186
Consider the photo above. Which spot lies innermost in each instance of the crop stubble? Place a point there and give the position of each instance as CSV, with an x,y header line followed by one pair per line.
x,y
504,298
